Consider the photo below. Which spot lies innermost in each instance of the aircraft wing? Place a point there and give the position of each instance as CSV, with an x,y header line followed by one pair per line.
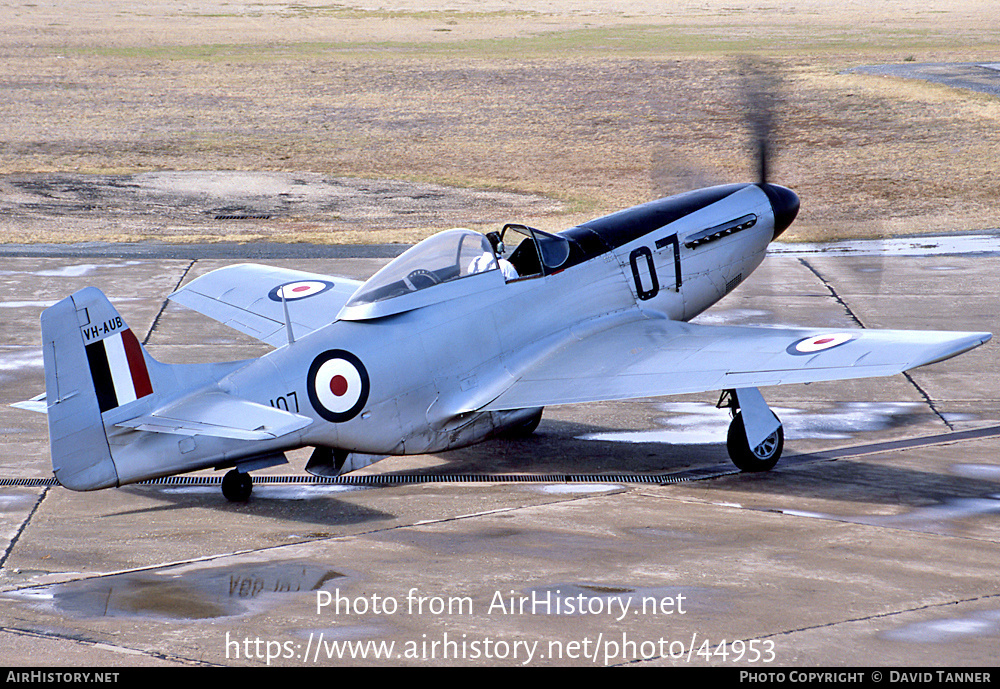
x,y
247,298
649,358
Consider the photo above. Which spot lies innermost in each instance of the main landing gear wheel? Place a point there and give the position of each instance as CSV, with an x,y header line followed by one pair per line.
x,y
236,486
761,458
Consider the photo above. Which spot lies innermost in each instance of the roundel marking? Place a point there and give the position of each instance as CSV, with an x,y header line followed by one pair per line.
x,y
299,289
338,385
819,343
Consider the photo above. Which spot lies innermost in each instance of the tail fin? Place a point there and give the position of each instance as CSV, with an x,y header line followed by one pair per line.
x,y
93,364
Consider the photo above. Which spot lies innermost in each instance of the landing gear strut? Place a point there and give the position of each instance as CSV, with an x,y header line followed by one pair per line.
x,y
236,486
754,444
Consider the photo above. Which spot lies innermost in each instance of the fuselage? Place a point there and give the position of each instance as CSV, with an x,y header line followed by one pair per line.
x,y
414,377
430,367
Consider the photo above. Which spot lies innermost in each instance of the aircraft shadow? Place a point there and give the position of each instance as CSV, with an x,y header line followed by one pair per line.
x,y
557,448
847,480
553,449
317,505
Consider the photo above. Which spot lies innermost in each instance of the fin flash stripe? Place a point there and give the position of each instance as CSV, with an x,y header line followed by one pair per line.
x,y
118,370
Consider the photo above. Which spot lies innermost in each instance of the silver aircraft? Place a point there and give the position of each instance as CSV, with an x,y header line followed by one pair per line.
x,y
453,342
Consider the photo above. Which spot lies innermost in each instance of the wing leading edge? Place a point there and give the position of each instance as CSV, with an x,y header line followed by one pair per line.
x,y
649,358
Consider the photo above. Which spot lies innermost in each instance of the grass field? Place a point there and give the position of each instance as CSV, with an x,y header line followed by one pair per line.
x,y
575,101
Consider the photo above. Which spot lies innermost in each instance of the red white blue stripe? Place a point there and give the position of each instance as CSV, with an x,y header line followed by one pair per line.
x,y
118,369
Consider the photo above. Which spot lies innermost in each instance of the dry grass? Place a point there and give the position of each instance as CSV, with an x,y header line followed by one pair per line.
x,y
583,104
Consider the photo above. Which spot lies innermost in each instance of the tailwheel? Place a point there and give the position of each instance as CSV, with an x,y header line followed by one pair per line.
x,y
761,458
236,486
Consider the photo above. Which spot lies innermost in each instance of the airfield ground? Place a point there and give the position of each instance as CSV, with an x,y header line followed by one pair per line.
x,y
140,121
846,554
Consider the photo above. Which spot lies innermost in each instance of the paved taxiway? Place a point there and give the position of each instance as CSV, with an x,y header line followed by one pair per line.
x,y
975,76
876,554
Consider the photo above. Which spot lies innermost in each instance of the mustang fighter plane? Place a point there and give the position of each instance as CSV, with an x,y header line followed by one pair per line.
x,y
453,342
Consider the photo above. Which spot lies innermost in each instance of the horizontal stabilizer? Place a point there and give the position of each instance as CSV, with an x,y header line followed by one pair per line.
x,y
220,415
37,403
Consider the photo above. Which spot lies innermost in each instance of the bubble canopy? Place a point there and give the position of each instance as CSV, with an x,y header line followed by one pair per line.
x,y
439,260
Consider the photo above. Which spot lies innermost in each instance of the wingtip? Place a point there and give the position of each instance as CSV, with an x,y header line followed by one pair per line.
x,y
961,343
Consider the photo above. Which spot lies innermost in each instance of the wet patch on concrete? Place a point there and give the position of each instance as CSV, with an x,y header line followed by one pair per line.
x,y
202,594
578,488
70,271
943,518
26,304
697,423
984,243
263,491
949,629
984,472
751,317
20,358
730,316
974,76
16,501
296,493
930,518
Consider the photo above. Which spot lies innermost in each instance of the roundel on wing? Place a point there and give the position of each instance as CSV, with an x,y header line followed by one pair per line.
x,y
819,343
299,289
337,385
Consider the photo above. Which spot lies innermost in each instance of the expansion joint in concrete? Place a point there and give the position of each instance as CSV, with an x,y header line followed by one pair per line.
x,y
850,312
163,306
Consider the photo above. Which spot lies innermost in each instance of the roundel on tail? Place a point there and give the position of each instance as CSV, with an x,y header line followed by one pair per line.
x,y
338,385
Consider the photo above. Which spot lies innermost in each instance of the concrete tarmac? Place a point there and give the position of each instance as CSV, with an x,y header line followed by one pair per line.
x,y
975,76
875,542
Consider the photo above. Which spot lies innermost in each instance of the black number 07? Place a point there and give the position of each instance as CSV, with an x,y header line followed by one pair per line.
x,y
644,251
